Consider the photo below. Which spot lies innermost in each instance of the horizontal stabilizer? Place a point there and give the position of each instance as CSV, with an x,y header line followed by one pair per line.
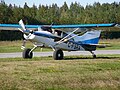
x,y
99,45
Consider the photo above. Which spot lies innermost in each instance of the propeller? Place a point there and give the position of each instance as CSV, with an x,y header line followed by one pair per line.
x,y
24,30
22,24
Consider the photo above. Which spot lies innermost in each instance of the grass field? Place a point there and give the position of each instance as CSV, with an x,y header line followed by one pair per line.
x,y
15,46
73,73
112,44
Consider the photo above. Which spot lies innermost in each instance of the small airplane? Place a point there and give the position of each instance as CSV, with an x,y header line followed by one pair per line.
x,y
59,37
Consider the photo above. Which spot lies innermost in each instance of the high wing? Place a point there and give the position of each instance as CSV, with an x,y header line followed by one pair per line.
x,y
15,26
84,25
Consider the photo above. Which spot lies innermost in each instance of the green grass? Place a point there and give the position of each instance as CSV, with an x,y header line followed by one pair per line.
x,y
113,44
15,46
72,73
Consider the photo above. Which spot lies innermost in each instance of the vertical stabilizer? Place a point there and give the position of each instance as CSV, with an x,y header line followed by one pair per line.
x,y
90,37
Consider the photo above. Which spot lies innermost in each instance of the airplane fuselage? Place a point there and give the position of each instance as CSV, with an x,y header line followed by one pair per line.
x,y
47,39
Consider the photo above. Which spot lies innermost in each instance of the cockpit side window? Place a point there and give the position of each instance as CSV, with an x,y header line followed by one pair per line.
x,y
65,34
46,28
62,35
58,33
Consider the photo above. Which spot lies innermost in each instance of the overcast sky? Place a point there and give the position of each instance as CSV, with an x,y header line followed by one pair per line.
x,y
58,2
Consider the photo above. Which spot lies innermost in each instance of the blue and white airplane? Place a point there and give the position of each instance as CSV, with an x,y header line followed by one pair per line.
x,y
58,38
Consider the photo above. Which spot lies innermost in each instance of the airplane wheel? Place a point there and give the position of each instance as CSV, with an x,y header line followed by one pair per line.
x,y
27,54
94,56
58,54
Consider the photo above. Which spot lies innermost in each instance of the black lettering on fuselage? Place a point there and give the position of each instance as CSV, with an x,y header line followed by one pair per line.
x,y
73,46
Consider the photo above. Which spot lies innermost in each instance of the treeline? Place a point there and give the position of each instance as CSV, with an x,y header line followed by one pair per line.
x,y
73,14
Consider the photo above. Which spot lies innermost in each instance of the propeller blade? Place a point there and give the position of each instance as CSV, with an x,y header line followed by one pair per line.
x,y
24,30
20,30
22,24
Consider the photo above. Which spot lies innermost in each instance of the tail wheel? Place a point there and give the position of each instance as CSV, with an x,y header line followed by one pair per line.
x,y
27,54
58,54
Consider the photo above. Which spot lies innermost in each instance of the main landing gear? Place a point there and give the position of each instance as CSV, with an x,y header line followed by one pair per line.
x,y
58,54
27,53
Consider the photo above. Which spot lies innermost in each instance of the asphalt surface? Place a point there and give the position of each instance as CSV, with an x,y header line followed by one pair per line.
x,y
43,54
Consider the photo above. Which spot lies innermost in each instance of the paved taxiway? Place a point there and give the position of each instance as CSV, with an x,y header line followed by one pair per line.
x,y
43,54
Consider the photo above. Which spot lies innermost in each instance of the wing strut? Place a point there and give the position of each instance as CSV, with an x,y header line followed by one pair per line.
x,y
67,36
66,39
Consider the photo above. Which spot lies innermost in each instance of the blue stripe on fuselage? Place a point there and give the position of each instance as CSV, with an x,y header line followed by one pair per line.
x,y
90,41
44,35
